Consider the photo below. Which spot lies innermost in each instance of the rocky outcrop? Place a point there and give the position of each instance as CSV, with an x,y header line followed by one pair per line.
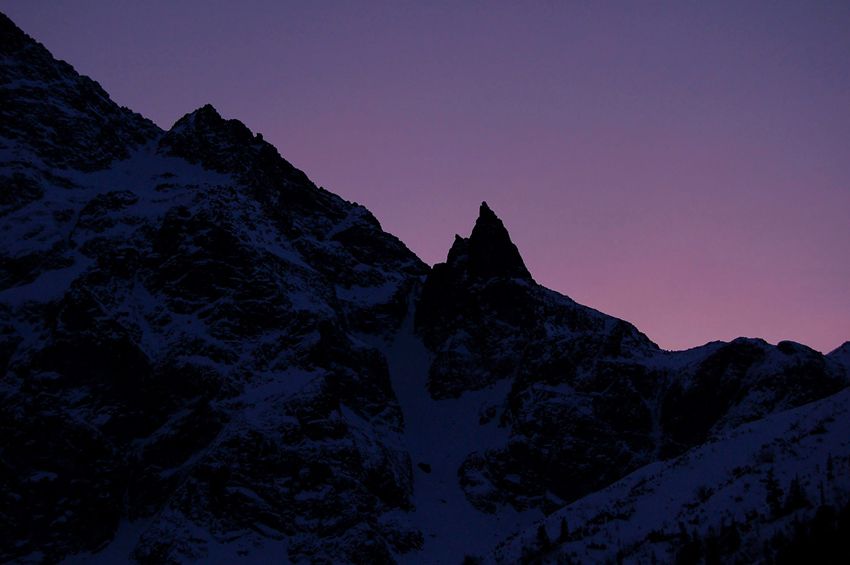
x,y
591,398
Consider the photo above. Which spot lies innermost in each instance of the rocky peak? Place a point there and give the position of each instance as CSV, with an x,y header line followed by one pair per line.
x,y
489,251
204,136
228,146
66,119
207,122
13,37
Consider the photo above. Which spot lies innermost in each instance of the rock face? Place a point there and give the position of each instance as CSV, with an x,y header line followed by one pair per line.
x,y
194,345
182,320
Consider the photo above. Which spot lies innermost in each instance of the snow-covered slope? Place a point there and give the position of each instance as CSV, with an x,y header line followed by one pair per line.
x,y
842,355
439,434
755,484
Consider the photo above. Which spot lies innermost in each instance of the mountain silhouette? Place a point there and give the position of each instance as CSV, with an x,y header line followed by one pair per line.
x,y
206,357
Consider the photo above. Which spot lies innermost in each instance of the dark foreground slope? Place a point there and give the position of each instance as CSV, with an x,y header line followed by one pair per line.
x,y
771,491
205,356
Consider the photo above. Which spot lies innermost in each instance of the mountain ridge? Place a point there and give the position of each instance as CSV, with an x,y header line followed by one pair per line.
x,y
205,349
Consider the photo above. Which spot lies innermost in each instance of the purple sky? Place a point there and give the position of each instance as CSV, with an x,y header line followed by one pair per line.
x,y
685,166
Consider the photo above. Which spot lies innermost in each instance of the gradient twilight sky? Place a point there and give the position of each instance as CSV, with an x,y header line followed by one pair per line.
x,y
682,165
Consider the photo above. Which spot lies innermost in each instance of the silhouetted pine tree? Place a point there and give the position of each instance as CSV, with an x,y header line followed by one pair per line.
x,y
712,549
543,541
796,497
564,532
773,494
730,538
690,552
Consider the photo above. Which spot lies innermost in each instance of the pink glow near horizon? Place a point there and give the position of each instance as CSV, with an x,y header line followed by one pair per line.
x,y
685,166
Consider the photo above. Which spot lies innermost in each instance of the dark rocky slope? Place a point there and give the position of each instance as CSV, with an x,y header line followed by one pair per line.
x,y
180,319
